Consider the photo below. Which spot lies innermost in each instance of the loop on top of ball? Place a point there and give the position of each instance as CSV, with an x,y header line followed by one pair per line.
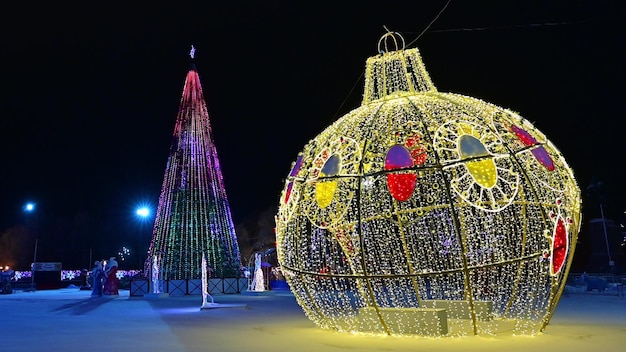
x,y
393,37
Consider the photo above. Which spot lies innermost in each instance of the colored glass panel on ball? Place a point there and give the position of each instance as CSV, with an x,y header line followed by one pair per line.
x,y
419,156
401,185
540,152
544,159
524,136
325,190
331,166
296,167
288,192
483,171
559,246
293,173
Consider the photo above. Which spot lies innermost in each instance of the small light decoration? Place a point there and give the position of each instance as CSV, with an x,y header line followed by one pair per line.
x,y
70,274
123,253
67,275
258,282
427,213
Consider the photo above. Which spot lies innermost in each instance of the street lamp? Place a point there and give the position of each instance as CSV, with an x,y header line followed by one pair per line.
x,y
30,208
143,213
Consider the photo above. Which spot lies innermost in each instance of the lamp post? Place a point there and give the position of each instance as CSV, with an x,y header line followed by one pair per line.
x,y
143,213
596,191
29,208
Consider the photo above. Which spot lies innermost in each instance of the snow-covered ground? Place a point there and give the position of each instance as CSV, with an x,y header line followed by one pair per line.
x,y
69,319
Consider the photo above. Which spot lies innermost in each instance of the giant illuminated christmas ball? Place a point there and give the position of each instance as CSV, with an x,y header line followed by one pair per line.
x,y
427,213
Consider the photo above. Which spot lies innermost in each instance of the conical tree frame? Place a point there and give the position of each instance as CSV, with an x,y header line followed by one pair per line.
x,y
193,216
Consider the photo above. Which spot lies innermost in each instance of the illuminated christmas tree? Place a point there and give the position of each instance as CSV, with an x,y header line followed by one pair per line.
x,y
193,216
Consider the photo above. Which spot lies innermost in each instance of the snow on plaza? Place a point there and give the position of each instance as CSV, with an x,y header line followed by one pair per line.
x,y
67,319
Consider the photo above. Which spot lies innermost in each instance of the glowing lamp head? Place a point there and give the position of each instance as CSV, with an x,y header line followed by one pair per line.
x,y
427,213
143,212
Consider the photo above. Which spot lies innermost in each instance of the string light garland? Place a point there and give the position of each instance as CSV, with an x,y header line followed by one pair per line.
x,y
427,213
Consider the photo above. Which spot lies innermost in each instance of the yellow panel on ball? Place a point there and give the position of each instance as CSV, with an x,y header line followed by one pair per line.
x,y
427,213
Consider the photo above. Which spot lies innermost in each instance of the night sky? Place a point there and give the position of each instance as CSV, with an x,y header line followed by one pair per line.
x,y
90,95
